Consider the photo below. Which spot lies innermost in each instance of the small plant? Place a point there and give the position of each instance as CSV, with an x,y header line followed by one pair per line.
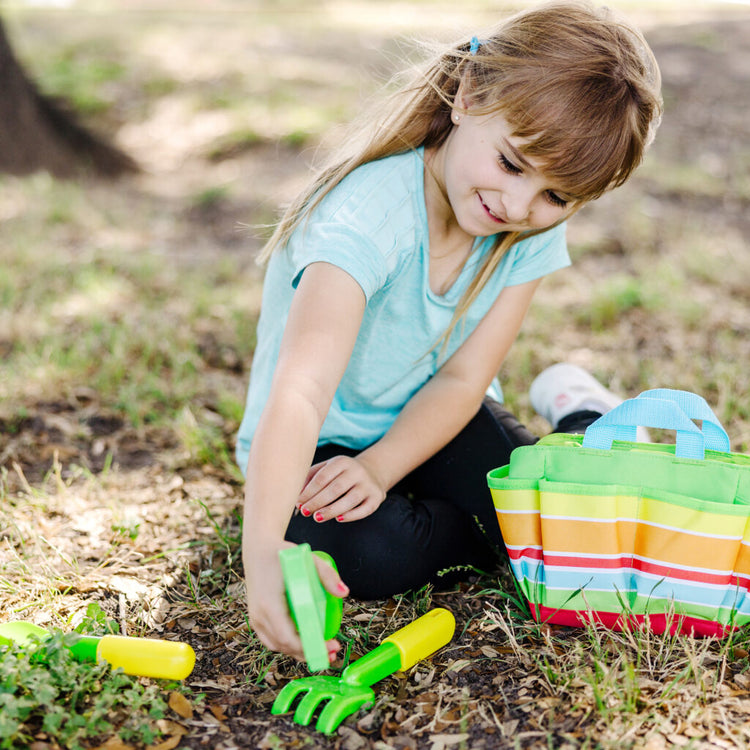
x,y
45,692
97,622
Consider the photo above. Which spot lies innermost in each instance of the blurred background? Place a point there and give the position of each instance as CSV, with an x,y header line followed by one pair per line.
x,y
128,304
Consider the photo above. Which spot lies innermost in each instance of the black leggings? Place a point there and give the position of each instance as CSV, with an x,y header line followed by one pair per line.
x,y
439,517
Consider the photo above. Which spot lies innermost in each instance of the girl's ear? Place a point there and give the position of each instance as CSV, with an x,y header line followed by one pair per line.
x,y
463,100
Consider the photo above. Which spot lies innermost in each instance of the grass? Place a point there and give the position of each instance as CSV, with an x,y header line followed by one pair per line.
x,y
127,315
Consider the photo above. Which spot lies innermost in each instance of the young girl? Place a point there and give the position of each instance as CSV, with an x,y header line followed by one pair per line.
x,y
396,285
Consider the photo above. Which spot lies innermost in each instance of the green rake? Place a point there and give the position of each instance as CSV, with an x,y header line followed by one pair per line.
x,y
351,691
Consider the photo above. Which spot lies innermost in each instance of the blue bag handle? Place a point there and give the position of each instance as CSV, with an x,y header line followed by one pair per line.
x,y
695,406
647,412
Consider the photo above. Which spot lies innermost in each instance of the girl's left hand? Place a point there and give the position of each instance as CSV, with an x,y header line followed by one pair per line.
x,y
343,488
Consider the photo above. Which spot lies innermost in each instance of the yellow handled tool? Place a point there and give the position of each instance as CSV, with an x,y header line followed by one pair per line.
x,y
351,691
144,657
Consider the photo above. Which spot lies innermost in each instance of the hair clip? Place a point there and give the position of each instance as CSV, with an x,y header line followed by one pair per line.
x,y
474,47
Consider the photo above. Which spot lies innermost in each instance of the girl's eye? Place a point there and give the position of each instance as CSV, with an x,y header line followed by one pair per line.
x,y
508,165
556,200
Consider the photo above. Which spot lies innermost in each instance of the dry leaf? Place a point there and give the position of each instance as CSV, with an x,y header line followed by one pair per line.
x,y
656,742
458,665
168,744
169,727
714,740
218,711
351,740
114,743
509,728
440,741
678,739
180,705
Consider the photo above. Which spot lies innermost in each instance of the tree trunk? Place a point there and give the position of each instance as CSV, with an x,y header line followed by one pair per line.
x,y
41,133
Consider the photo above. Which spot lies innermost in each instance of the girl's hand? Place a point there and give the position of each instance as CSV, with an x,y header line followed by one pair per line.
x,y
343,488
267,605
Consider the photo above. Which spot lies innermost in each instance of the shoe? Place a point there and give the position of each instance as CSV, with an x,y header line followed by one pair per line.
x,y
564,388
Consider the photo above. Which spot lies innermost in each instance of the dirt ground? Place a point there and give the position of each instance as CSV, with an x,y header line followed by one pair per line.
x,y
190,583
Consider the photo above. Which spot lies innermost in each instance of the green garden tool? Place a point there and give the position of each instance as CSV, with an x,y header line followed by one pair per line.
x,y
351,691
316,613
143,657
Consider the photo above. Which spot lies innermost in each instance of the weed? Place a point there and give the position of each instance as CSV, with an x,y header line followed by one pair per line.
x,y
615,297
42,688
206,443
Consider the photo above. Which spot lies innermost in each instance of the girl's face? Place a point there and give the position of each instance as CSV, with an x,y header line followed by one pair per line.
x,y
490,186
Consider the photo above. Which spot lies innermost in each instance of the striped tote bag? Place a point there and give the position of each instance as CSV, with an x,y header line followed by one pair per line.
x,y
602,529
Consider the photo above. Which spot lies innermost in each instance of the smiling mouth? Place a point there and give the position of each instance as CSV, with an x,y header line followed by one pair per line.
x,y
492,214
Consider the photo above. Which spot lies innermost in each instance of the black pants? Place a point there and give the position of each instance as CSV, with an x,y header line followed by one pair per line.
x,y
438,518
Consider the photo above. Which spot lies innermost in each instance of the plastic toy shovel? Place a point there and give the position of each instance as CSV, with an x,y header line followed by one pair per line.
x,y
351,691
144,657
316,613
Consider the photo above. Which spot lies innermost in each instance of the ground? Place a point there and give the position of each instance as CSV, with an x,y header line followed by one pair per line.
x,y
126,337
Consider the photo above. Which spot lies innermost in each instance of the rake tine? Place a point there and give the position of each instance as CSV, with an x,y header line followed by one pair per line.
x,y
341,707
309,704
288,695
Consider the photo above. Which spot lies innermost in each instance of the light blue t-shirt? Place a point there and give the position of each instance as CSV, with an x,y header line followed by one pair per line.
x,y
373,225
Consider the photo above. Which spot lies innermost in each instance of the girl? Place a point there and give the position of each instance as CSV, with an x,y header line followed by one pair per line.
x,y
396,285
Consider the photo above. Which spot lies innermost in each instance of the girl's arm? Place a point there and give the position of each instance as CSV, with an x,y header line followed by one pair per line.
x,y
349,489
319,336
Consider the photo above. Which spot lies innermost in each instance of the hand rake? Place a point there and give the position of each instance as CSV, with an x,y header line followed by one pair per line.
x,y
351,691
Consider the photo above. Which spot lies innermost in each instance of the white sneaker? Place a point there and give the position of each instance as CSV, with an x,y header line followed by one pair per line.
x,y
564,388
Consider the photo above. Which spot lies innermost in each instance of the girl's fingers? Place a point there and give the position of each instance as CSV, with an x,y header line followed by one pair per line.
x,y
279,634
310,474
343,505
333,647
334,493
360,511
330,578
320,483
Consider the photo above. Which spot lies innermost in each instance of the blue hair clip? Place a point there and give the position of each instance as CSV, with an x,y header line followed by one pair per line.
x,y
474,48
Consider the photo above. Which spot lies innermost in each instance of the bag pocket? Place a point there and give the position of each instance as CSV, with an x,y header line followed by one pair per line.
x,y
623,549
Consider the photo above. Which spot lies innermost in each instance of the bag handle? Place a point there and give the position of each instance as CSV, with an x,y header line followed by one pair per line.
x,y
695,406
647,412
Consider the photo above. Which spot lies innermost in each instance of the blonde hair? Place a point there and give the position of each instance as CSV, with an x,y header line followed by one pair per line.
x,y
578,84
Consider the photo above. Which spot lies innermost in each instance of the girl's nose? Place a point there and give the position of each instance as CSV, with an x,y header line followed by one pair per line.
x,y
517,205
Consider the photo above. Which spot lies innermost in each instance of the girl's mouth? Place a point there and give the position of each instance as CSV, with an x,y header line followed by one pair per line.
x,y
497,219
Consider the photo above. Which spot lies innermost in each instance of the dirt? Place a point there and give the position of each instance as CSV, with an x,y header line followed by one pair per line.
x,y
461,693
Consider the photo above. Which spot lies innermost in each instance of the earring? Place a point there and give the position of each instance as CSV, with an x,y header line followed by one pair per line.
x,y
456,117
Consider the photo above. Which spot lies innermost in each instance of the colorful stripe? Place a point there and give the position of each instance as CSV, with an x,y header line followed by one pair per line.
x,y
624,581
658,622
645,527
570,566
631,591
629,561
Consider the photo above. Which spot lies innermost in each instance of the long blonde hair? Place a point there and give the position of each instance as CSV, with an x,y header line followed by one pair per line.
x,y
578,84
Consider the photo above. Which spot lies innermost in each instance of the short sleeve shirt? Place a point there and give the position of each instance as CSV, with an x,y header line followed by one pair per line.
x,y
373,225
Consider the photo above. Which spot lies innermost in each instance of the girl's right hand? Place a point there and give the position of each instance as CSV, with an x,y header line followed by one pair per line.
x,y
343,487
267,605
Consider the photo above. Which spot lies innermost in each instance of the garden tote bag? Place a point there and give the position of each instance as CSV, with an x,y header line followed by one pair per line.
x,y
600,528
